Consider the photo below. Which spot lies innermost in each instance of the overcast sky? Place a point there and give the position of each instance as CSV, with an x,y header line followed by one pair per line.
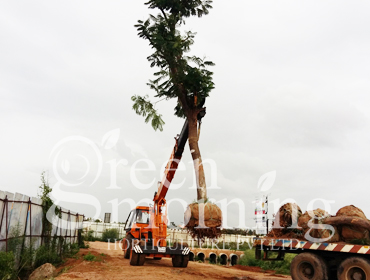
x,y
292,96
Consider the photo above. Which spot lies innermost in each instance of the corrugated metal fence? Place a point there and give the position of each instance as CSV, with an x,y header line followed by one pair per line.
x,y
21,215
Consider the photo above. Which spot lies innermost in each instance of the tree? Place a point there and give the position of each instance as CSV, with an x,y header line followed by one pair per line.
x,y
184,78
47,202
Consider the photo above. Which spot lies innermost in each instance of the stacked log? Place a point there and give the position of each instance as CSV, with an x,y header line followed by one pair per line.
x,y
349,225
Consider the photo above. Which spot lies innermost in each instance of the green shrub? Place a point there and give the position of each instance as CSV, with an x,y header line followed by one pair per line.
x,y
89,257
55,251
280,267
111,234
7,264
69,250
89,236
47,254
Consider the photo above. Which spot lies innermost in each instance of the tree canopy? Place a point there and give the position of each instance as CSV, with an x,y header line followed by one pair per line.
x,y
180,76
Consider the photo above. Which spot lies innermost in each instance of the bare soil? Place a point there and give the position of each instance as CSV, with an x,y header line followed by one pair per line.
x,y
110,264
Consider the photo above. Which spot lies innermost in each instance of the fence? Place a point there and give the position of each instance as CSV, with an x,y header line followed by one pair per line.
x,y
173,235
21,215
99,228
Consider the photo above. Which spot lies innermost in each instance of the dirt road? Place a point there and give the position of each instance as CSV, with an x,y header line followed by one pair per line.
x,y
110,264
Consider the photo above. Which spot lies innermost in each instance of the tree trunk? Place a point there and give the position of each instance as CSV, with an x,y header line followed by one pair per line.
x,y
197,159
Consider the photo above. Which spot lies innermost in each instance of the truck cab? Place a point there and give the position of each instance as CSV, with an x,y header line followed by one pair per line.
x,y
138,222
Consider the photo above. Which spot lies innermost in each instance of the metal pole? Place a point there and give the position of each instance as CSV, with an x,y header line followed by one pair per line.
x,y
69,222
2,216
6,224
31,224
77,227
43,224
267,219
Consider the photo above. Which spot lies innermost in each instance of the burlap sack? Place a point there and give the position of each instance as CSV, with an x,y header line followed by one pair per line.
x,y
306,217
285,215
212,215
351,232
351,211
323,233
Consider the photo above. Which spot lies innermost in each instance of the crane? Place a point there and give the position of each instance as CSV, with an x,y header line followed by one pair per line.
x,y
146,227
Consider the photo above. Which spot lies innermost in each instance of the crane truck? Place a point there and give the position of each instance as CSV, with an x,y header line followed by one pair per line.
x,y
146,227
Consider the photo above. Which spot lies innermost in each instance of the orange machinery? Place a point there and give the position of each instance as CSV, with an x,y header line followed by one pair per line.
x,y
146,227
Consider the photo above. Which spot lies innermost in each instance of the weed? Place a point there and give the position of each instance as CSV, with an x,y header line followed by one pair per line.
x,y
7,263
89,236
83,245
89,257
65,269
281,267
46,254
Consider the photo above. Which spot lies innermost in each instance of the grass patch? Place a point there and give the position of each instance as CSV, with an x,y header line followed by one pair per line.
x,y
280,267
90,257
65,269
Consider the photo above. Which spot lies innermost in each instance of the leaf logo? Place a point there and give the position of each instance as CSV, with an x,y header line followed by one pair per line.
x,y
266,181
110,139
65,166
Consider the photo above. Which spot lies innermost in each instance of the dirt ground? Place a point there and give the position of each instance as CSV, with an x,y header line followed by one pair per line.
x,y
110,264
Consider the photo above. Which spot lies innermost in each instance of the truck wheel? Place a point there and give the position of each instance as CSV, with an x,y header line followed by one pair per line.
x,y
180,260
126,243
354,268
308,266
137,259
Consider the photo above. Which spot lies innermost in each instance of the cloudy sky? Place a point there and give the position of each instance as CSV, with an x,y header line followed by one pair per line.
x,y
292,96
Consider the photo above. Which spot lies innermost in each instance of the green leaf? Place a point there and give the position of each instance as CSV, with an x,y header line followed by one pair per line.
x,y
145,108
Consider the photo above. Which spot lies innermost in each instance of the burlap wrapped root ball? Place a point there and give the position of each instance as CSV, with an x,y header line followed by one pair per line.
x,y
286,214
284,219
203,220
352,232
307,221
